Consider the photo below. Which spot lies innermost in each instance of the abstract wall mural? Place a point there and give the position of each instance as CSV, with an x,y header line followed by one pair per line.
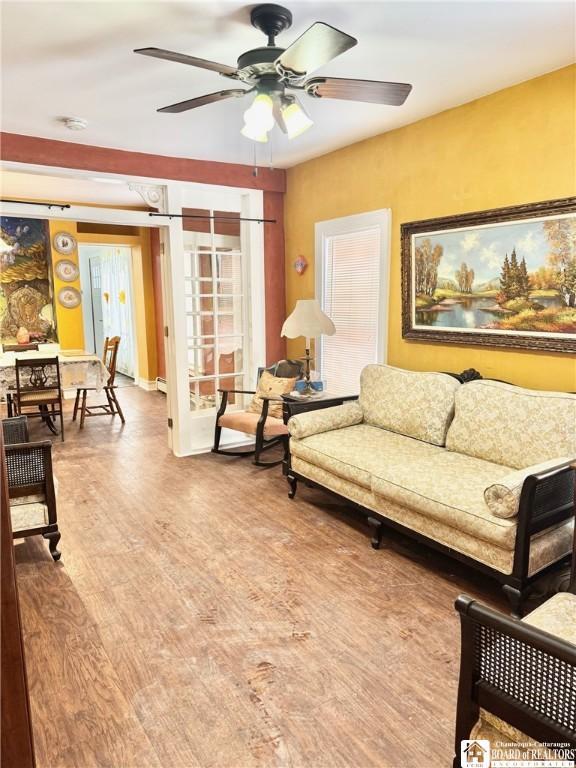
x,y
25,281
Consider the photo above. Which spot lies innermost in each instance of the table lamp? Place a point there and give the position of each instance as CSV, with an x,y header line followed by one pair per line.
x,y
309,321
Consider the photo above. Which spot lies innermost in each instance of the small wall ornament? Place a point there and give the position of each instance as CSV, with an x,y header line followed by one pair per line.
x,y
67,271
69,297
300,265
65,243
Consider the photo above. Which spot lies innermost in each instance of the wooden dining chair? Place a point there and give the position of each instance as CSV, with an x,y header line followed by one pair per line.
x,y
111,407
38,391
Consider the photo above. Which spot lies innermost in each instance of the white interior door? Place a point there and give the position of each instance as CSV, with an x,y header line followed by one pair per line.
x,y
216,292
95,308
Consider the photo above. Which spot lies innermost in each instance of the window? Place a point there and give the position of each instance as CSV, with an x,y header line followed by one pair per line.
x,y
351,285
214,281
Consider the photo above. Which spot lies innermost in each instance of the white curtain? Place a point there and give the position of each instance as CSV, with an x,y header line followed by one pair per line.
x,y
116,288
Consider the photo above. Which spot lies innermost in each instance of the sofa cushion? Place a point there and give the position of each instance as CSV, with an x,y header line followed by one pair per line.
x,y
420,405
556,616
509,425
546,547
27,516
356,453
448,487
503,497
325,419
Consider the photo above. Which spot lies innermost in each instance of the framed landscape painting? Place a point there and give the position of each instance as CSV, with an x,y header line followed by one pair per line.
x,y
505,277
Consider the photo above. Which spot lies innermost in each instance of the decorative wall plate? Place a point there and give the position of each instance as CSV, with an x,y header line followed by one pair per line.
x,y
69,297
66,270
65,243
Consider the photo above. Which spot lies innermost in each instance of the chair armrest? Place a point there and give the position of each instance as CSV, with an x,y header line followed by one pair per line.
x,y
224,400
506,668
238,391
324,420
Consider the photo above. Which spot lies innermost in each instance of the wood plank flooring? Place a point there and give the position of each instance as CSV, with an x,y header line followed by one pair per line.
x,y
199,618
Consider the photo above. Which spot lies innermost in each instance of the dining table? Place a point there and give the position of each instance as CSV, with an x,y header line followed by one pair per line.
x,y
78,370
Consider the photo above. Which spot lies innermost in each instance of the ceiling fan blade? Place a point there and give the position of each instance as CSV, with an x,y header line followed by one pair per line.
x,y
182,58
200,101
317,46
373,91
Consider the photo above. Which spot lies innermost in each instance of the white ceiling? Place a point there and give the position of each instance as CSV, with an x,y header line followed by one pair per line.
x,y
75,59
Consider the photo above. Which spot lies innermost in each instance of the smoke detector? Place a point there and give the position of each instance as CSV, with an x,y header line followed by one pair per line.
x,y
75,123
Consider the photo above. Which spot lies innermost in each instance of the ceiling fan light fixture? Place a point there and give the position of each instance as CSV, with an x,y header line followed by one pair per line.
x,y
260,113
295,119
254,132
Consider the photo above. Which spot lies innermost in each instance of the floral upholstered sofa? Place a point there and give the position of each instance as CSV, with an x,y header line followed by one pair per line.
x,y
482,470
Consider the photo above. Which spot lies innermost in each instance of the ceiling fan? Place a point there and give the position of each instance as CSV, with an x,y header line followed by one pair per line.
x,y
271,71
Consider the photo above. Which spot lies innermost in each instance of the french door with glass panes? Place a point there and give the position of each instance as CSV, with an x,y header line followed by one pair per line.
x,y
216,293
216,319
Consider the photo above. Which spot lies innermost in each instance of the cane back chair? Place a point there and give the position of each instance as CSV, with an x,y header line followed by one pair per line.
x,y
268,431
112,406
31,485
38,388
518,677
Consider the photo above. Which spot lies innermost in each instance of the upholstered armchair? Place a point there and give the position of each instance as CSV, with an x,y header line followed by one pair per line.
x,y
263,417
517,678
31,490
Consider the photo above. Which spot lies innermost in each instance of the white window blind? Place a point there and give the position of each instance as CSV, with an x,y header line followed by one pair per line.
x,y
350,296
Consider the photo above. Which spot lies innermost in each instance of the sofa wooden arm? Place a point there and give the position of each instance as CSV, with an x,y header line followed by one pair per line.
x,y
518,672
547,499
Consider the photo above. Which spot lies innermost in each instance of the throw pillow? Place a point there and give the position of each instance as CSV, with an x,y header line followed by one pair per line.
x,y
503,498
270,385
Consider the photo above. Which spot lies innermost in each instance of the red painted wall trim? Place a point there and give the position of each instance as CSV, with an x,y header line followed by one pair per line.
x,y
66,154
274,276
62,154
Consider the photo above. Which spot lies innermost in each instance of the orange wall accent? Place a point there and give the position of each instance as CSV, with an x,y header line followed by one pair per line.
x,y
274,276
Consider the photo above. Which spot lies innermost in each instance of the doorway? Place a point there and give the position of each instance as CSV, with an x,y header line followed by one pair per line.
x,y
106,277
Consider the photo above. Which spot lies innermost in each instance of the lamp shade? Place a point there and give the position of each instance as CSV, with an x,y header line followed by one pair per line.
x,y
307,320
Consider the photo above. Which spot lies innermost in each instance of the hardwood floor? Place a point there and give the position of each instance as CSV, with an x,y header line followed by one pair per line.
x,y
198,617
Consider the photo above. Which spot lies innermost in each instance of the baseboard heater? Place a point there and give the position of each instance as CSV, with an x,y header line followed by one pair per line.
x,y
161,384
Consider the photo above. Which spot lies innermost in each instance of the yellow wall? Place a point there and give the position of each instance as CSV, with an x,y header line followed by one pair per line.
x,y
68,321
70,328
512,147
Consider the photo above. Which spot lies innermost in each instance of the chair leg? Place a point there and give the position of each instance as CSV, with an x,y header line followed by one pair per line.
x,y
53,538
62,420
377,530
83,408
117,404
110,401
515,599
293,483
217,436
76,404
